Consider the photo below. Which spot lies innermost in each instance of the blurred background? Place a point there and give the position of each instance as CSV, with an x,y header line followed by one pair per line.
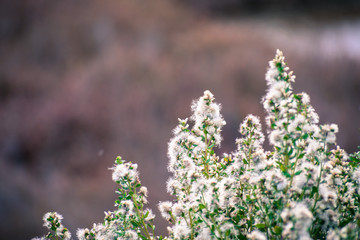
x,y
84,81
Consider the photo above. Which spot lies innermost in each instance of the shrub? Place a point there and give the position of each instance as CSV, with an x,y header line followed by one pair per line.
x,y
307,187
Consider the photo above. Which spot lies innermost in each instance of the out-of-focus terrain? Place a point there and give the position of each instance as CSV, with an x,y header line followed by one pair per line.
x,y
84,81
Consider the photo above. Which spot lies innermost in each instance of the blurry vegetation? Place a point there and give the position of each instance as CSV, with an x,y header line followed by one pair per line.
x,y
316,9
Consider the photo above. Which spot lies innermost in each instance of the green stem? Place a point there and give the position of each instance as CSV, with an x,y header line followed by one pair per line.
x,y
316,197
140,215
211,217
191,226
206,165
172,217
317,193
293,169
267,225
152,229
286,162
250,152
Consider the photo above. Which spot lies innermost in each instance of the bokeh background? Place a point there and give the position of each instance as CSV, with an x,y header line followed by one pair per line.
x,y
84,81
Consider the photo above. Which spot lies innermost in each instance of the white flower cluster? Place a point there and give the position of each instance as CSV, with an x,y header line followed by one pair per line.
x,y
130,220
195,168
306,187
303,189
52,221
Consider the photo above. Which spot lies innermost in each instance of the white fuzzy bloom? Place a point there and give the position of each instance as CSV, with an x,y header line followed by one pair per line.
x,y
277,90
81,233
175,150
227,226
327,194
143,190
130,234
251,126
59,230
165,209
188,164
205,234
208,95
177,209
67,235
276,137
299,180
300,211
181,231
356,175
125,169
119,172
312,115
256,235
282,185
52,215
297,221
206,112
226,187
150,215
271,74
313,146
297,122
127,206
332,235
255,178
305,98
334,128
331,138
183,126
172,185
338,181
330,130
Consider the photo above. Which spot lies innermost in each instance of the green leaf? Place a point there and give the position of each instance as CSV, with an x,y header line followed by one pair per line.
x,y
135,224
143,237
305,136
277,230
301,155
119,160
243,208
291,151
260,225
287,174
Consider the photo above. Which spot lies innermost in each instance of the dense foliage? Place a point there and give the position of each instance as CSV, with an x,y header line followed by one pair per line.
x,y
306,187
